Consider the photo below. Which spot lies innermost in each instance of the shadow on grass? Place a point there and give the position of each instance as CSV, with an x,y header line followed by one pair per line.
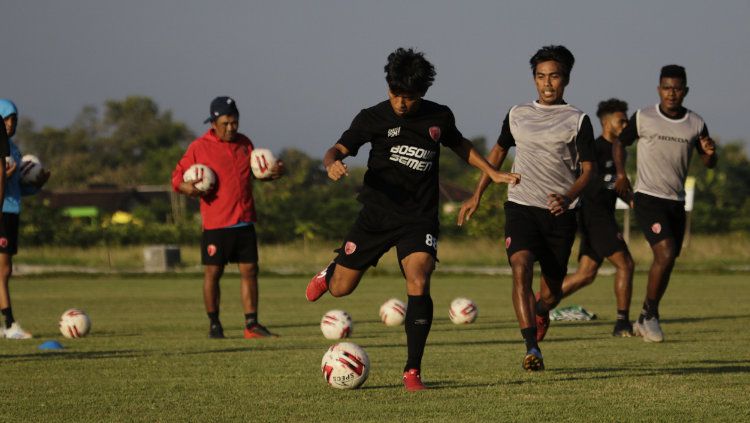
x,y
73,355
593,373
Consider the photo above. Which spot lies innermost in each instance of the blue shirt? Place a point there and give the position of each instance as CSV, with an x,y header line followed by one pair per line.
x,y
14,189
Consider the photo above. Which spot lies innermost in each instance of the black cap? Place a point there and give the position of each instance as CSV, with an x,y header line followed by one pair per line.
x,y
222,106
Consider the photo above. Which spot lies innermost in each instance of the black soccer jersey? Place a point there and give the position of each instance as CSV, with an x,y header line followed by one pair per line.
x,y
600,193
402,170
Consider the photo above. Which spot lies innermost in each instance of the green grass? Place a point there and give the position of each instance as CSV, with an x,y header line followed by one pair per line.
x,y
148,358
705,252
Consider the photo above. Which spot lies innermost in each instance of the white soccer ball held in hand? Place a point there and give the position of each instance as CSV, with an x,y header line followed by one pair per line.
x,y
203,173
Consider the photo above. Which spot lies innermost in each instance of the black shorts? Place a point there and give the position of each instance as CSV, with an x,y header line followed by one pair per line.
x,y
9,234
550,238
600,235
375,232
236,245
660,219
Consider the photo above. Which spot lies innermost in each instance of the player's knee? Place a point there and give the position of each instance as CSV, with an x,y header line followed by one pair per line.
x,y
6,272
418,285
339,291
250,271
664,256
628,265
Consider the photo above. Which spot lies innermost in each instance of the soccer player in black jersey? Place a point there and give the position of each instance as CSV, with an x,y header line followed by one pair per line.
x,y
600,235
667,134
399,194
554,153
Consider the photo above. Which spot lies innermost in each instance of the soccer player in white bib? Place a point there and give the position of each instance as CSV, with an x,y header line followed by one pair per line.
x,y
667,134
554,153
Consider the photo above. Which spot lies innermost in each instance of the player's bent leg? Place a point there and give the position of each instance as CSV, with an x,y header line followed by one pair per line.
x,y
584,276
549,296
418,268
211,298
344,281
624,268
336,279
521,263
648,326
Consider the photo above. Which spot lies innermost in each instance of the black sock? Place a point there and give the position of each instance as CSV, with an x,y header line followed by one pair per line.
x,y
623,315
417,327
652,308
540,309
329,272
8,314
214,317
251,319
644,313
529,337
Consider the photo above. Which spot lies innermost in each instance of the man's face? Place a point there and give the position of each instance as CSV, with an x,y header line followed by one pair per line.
x,y
614,123
672,92
404,104
225,127
10,125
550,82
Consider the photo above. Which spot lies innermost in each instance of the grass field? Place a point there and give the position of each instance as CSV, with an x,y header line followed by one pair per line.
x,y
704,253
148,358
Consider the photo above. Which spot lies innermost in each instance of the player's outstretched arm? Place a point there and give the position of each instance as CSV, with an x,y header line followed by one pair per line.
x,y
333,162
495,159
466,151
622,183
708,151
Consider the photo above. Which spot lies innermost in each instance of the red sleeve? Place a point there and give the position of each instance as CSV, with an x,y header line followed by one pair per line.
x,y
187,160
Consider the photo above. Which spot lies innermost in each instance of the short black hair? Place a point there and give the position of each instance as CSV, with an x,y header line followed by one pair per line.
x,y
610,106
408,71
559,54
673,71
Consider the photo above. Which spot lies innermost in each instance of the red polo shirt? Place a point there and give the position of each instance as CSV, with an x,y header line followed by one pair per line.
x,y
231,201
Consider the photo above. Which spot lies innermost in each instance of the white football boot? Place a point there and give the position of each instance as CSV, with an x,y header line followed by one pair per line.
x,y
15,331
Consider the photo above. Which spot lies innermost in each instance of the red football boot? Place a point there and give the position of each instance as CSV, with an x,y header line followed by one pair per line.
x,y
542,322
317,286
413,380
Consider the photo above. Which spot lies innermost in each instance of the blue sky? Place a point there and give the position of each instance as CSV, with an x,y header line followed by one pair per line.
x,y
301,70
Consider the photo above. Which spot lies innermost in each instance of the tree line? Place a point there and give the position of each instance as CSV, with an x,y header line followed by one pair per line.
x,y
132,142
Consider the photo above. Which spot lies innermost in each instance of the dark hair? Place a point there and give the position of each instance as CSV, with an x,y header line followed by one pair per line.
x,y
408,71
559,54
673,71
610,106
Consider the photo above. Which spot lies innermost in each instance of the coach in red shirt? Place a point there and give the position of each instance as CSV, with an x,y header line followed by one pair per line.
x,y
227,210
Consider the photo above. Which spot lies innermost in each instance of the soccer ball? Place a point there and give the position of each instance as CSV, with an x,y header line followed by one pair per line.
x,y
75,323
463,311
31,167
392,312
345,366
203,172
336,324
261,162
